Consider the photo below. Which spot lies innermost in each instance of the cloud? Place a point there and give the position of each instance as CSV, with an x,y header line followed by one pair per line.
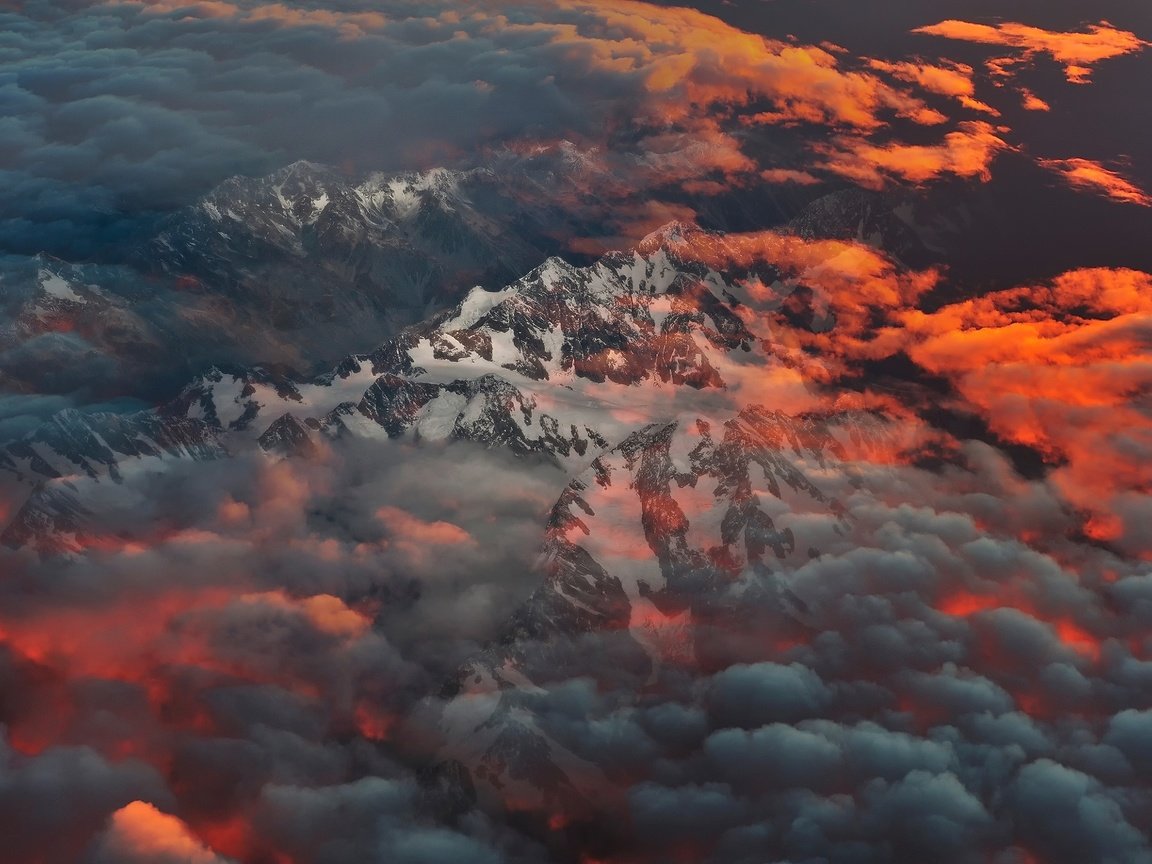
x,y
785,175
1076,51
52,804
138,832
946,78
1095,178
936,671
966,152
409,528
1032,102
753,696
230,644
1055,367
1066,814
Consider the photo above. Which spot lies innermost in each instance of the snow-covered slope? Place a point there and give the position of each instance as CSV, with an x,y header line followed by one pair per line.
x,y
50,478
562,363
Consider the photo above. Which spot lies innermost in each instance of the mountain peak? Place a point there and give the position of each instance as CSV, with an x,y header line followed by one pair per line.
x,y
669,237
287,436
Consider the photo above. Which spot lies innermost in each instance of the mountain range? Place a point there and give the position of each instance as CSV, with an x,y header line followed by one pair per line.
x,y
634,375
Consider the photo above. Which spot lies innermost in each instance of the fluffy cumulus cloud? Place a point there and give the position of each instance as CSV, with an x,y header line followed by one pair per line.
x,y
140,832
210,683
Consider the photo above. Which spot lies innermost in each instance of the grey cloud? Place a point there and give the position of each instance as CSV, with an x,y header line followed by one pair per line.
x,y
377,819
1130,732
434,845
959,694
1070,817
774,756
753,696
931,816
686,812
52,803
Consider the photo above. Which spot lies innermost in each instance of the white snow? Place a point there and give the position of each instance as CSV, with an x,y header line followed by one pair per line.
x,y
504,351
56,286
405,199
475,306
226,397
437,420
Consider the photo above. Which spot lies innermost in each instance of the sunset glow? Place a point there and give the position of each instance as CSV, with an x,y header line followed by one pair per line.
x,y
571,432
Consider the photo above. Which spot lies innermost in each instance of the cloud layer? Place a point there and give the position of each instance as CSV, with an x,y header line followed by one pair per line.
x,y
119,112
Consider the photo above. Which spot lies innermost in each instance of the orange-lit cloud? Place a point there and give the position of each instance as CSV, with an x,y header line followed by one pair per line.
x,y
687,58
945,78
419,541
1059,368
686,82
138,833
1077,52
1031,102
786,175
853,277
684,59
1072,635
146,640
966,152
1095,178
404,526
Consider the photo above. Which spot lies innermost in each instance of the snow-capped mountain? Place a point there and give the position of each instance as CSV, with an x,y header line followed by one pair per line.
x,y
295,269
291,270
306,246
51,474
562,363
64,326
